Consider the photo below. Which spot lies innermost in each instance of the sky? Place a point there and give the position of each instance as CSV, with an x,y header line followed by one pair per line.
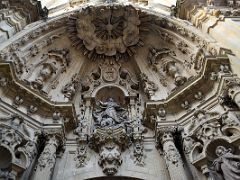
x,y
53,3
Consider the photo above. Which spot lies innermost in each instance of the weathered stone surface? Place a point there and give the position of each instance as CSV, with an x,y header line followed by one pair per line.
x,y
115,89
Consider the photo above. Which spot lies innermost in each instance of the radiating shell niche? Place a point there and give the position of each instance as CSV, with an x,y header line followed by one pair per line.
x,y
105,31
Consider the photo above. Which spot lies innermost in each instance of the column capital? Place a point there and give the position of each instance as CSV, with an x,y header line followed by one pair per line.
x,y
53,140
165,133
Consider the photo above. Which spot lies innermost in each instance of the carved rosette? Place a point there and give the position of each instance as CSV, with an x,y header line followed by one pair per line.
x,y
102,31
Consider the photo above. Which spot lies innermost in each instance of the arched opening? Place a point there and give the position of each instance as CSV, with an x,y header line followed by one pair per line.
x,y
5,158
111,92
114,178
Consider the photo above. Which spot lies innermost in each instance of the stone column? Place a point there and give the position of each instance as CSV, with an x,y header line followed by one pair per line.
x,y
172,157
47,160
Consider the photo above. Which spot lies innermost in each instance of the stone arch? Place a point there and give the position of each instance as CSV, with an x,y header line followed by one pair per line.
x,y
110,90
114,178
5,158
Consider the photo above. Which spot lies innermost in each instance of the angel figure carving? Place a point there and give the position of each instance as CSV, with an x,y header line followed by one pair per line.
x,y
226,166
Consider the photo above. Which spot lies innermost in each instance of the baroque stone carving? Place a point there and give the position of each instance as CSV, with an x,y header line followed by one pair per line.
x,y
49,68
109,143
149,87
173,71
110,158
17,101
138,154
106,31
109,72
69,89
226,165
171,154
10,138
109,114
110,136
170,151
81,156
165,64
48,156
3,81
205,125
108,35
6,175
32,109
138,148
30,150
18,148
111,126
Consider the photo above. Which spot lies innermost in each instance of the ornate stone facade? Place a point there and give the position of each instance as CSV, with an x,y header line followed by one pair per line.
x,y
94,89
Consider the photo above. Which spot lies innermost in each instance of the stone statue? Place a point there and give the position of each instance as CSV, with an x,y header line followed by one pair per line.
x,y
226,166
109,113
149,87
